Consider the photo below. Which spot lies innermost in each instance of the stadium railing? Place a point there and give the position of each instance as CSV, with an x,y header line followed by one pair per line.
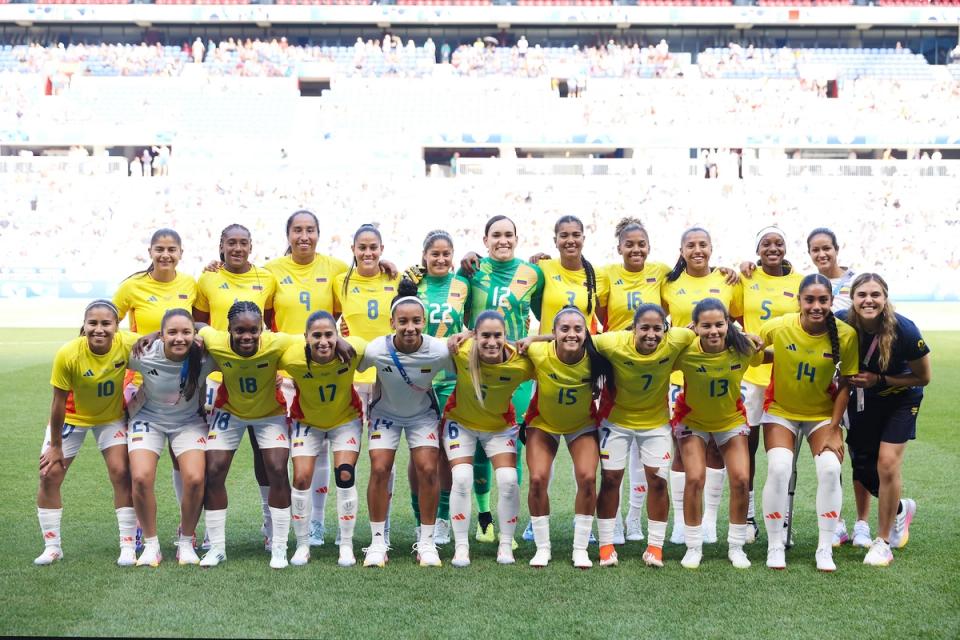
x,y
76,165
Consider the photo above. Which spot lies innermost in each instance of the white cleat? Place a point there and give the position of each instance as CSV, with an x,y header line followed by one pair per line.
x,y
49,556
151,557
634,530
278,557
581,560
900,531
709,532
776,558
317,531
505,553
879,554
692,558
301,556
375,556
441,533
213,558
618,537
840,535
825,560
861,534
541,558
128,557
427,555
461,556
346,559
738,558
187,556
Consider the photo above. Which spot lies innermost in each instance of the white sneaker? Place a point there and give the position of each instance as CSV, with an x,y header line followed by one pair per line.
x,y
752,531
825,560
505,553
879,555
213,557
840,535
709,532
776,558
738,558
541,558
317,531
618,536
634,530
346,559
581,560
900,531
375,556
427,555
150,557
186,556
128,557
692,558
461,556
278,557
861,534
49,556
441,533
677,536
301,556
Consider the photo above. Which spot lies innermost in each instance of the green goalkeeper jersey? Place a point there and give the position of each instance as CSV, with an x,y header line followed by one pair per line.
x,y
513,288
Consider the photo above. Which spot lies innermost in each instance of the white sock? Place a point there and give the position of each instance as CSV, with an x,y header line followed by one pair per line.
x,y
541,531
775,499
656,532
508,502
678,480
751,506
300,515
426,533
693,535
265,505
127,524
377,534
605,527
281,527
829,496
216,525
185,542
151,543
50,525
737,535
582,525
638,485
177,485
347,513
320,485
460,506
712,493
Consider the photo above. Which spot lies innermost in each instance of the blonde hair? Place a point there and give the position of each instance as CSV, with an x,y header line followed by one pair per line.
x,y
888,318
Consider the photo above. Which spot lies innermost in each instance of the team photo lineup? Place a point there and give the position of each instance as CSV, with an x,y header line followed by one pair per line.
x,y
661,381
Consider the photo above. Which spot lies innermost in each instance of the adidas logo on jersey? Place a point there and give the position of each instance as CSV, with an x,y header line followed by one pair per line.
x,y
307,375
355,290
553,376
701,369
153,372
682,292
225,286
152,299
88,373
287,280
791,347
755,287
557,278
388,369
618,282
227,365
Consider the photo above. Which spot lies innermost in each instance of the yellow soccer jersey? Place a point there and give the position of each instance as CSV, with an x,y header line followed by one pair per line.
x,y
498,382
147,300
711,387
325,396
249,390
562,287
563,402
683,294
217,291
803,368
302,289
366,309
764,298
630,289
642,382
95,382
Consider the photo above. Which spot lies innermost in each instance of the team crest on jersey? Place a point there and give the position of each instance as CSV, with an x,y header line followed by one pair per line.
x,y
287,280
225,286
152,299
88,373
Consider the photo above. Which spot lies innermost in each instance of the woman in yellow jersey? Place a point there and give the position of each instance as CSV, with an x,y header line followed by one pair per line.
x,y
710,409
767,292
479,410
247,400
569,375
87,382
692,280
325,409
635,410
813,355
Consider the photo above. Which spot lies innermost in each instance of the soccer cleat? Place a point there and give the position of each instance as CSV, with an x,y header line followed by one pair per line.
x,y
427,555
634,530
505,553
753,531
461,556
618,537
879,554
441,533
213,558
346,559
317,531
541,558
840,536
581,560
709,533
608,556
375,555
513,544
128,557
151,557
301,556
278,557
49,556
186,556
738,558
677,536
528,532
825,560
138,539
653,556
861,534
692,558
776,558
484,534
900,531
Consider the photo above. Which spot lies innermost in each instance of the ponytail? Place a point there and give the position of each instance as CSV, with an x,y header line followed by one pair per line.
x,y
159,233
681,265
587,267
372,228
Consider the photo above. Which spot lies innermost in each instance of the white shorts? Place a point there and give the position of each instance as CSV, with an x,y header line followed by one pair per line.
x,y
655,446
150,435
753,398
309,441
108,435
682,431
384,433
568,437
461,442
226,432
807,427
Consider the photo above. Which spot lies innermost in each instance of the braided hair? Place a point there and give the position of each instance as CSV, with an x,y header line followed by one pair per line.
x,y
243,306
190,374
830,319
159,233
227,229
735,339
316,315
367,227
681,265
293,216
601,371
587,267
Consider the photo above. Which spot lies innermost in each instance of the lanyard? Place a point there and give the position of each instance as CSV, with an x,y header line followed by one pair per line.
x,y
403,372
866,361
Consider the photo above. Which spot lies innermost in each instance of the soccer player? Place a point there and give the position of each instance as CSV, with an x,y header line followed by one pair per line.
x,y
710,409
247,400
692,280
635,409
895,362
326,411
480,410
403,401
823,248
87,382
169,407
813,357
569,375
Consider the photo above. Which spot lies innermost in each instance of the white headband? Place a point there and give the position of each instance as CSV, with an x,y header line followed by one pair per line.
x,y
770,229
400,301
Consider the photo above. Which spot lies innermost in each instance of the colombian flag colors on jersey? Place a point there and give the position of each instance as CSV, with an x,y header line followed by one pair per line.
x,y
325,396
711,387
217,291
146,299
498,382
767,297
302,289
366,308
630,289
562,287
563,401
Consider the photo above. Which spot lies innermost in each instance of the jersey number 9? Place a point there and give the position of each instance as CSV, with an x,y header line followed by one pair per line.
x,y
305,299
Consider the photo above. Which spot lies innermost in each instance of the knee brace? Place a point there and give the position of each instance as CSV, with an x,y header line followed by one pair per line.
x,y
865,470
347,471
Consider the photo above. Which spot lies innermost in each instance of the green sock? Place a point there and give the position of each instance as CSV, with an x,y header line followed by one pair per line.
x,y
443,508
482,470
415,503
519,462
